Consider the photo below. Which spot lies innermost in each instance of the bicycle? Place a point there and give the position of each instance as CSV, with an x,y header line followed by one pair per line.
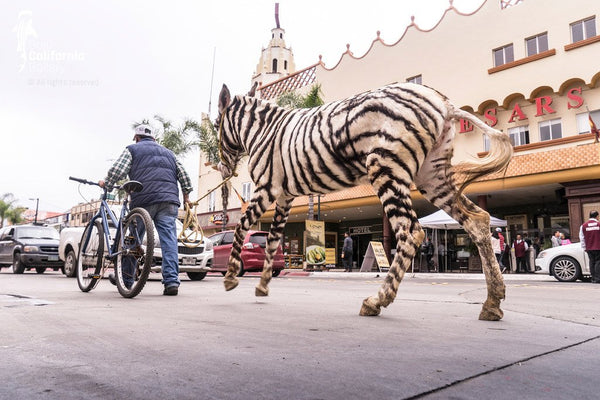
x,y
131,251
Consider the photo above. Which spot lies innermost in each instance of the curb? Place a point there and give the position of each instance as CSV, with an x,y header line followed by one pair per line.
x,y
414,275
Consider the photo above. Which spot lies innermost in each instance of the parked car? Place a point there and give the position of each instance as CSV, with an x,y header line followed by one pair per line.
x,y
29,246
195,261
253,252
565,263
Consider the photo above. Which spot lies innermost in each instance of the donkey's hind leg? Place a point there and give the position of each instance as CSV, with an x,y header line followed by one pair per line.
x,y
282,210
436,181
476,222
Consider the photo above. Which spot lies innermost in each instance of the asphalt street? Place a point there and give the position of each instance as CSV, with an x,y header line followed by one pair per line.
x,y
305,341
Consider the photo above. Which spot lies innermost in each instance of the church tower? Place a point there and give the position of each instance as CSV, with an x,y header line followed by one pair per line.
x,y
276,61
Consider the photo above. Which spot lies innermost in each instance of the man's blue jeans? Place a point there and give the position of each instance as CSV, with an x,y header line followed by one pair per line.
x,y
164,216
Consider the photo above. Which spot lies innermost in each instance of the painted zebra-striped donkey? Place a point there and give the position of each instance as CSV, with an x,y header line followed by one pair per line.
x,y
390,138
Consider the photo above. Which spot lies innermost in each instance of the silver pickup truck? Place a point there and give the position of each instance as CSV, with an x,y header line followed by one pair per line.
x,y
194,261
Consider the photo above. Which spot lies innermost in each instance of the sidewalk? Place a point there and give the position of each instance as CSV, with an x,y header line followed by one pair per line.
x,y
339,273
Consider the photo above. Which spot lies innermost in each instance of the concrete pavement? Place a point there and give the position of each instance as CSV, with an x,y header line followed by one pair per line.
x,y
305,341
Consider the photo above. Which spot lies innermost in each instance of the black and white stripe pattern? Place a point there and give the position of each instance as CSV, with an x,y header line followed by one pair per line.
x,y
390,137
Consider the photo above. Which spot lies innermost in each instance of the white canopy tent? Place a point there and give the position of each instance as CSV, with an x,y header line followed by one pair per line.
x,y
441,220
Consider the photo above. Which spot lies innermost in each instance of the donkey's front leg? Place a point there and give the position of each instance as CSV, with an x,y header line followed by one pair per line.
x,y
280,217
261,199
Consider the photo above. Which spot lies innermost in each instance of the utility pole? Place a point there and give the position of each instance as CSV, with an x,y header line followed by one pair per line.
x,y
37,203
212,75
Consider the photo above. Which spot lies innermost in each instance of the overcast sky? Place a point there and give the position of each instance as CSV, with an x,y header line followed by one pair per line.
x,y
76,74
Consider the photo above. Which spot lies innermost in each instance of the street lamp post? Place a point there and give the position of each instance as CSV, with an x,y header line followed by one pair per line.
x,y
37,203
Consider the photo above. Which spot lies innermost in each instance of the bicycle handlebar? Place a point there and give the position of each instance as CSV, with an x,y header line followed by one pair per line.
x,y
83,181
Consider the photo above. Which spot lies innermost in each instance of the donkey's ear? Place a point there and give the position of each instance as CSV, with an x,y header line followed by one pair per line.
x,y
224,98
252,91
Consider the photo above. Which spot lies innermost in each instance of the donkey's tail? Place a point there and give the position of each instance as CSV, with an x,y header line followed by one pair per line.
x,y
497,158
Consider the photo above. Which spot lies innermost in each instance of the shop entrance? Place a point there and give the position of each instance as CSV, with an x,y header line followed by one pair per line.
x,y
361,243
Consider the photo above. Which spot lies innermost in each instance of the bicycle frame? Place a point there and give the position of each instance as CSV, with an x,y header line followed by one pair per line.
x,y
105,213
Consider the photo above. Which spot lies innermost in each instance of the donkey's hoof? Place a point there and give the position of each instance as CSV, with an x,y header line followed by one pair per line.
x,y
491,313
261,291
370,308
230,283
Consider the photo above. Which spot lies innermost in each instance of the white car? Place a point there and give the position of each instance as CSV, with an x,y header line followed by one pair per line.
x,y
194,261
565,263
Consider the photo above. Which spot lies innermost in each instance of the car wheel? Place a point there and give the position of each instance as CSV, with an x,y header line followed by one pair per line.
x,y
70,268
566,269
18,267
276,273
196,276
40,270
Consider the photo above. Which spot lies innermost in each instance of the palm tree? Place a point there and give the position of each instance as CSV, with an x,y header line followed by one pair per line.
x,y
15,215
6,206
175,138
208,140
294,100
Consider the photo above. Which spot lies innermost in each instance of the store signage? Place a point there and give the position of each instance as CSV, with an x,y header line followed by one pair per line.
x,y
360,230
375,254
314,241
219,219
543,105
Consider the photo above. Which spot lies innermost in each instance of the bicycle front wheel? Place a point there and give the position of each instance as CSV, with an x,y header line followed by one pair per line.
x,y
90,257
135,253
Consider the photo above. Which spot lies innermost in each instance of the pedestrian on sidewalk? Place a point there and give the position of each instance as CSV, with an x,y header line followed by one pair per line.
x,y
427,250
555,239
497,249
589,234
520,247
347,252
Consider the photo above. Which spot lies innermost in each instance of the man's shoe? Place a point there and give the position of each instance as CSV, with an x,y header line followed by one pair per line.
x,y
171,291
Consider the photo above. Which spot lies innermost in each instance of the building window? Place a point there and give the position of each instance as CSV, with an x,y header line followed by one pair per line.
x,y
486,143
274,65
211,201
550,130
285,65
519,135
504,55
582,30
246,191
536,44
415,79
583,121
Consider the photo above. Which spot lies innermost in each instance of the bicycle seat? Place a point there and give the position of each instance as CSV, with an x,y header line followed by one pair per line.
x,y
132,186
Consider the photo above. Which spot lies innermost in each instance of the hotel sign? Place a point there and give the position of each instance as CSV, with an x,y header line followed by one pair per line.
x,y
359,230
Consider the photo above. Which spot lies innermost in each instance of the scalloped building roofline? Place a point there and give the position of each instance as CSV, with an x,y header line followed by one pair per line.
x,y
413,24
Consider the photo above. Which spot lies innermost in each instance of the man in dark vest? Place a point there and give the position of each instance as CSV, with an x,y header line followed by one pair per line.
x,y
589,234
158,170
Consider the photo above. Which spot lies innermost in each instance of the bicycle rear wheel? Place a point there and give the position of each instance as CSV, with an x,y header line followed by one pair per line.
x,y
135,253
90,257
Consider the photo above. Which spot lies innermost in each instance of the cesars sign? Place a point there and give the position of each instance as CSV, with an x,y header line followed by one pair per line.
x,y
543,106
